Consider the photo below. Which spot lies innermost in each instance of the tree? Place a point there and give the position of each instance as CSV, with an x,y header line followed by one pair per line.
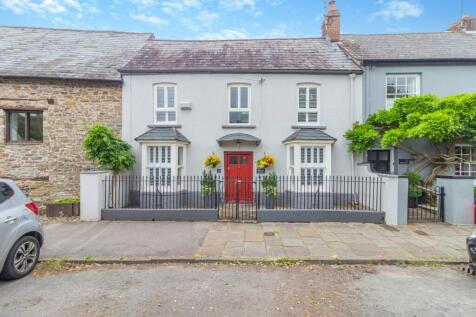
x,y
440,121
104,147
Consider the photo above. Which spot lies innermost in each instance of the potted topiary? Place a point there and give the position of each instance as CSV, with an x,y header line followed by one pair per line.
x,y
208,186
66,207
414,192
270,186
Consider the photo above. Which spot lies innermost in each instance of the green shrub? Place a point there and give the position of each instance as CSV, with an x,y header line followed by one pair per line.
x,y
413,182
104,147
270,185
208,183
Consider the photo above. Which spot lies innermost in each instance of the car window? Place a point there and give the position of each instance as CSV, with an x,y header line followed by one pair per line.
x,y
5,192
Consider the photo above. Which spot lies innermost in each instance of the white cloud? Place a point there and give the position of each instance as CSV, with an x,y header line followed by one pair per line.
x,y
173,6
225,34
238,4
399,9
203,20
150,19
144,3
41,7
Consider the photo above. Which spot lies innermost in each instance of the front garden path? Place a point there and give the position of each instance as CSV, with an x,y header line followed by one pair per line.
x,y
143,241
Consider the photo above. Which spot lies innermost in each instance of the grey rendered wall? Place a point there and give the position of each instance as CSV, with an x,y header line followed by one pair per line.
x,y
273,112
459,199
442,80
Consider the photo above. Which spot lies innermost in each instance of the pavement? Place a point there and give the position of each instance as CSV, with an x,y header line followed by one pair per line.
x,y
228,241
242,290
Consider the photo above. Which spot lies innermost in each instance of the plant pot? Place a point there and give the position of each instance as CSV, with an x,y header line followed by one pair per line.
x,y
63,210
270,202
209,201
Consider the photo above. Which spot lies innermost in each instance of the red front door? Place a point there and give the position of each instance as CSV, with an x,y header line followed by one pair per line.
x,y
239,176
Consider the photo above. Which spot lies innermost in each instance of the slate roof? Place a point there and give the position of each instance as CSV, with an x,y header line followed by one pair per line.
x,y
441,46
239,137
63,53
255,55
163,134
309,134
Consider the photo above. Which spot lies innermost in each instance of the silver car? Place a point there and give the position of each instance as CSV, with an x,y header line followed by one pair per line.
x,y
21,233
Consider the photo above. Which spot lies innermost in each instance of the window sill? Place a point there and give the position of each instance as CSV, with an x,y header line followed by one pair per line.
x,y
23,143
301,126
238,126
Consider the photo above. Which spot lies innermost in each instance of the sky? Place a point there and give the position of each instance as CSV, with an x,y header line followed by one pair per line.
x,y
225,19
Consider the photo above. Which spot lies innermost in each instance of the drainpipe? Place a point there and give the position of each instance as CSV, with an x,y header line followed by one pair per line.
x,y
352,113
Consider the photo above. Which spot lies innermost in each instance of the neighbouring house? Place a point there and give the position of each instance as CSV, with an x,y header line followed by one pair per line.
x,y
402,65
55,83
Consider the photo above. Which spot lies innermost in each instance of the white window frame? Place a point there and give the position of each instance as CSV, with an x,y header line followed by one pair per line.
x,y
468,163
325,165
307,109
166,109
389,101
239,86
173,164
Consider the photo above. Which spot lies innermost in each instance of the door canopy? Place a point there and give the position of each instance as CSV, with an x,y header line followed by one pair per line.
x,y
238,138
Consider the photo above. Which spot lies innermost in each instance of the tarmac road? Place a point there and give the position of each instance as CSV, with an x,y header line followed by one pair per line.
x,y
241,290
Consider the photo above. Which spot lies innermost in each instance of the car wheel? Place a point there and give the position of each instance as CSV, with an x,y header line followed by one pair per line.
x,y
21,259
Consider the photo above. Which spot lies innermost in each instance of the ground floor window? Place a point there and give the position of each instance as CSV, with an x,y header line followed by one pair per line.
x,y
24,126
379,161
163,164
313,162
466,165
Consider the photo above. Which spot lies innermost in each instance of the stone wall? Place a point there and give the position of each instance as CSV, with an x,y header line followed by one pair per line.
x,y
50,170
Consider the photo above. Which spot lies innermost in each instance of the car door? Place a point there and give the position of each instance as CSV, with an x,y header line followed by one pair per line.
x,y
9,217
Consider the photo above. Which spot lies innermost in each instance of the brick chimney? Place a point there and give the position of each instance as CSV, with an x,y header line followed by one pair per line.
x,y
331,24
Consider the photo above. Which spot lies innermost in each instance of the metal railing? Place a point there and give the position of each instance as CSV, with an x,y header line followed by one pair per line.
x,y
429,206
240,198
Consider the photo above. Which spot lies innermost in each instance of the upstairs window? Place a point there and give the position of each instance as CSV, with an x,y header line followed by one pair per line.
x,y
401,86
165,104
239,104
24,126
308,112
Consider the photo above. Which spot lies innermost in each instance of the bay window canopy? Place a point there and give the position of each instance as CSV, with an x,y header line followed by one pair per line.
x,y
238,138
162,134
309,155
309,134
164,151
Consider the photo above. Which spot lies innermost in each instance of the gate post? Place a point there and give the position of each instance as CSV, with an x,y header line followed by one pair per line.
x,y
441,206
93,191
395,199
237,195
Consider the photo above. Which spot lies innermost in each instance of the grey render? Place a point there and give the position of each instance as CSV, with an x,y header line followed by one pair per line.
x,y
273,69
445,61
66,54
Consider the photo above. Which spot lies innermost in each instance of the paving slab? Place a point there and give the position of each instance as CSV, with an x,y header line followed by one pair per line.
x,y
256,241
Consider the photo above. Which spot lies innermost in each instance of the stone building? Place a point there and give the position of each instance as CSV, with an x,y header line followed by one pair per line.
x,y
54,84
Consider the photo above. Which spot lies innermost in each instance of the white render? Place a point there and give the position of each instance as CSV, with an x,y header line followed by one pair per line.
x,y
273,113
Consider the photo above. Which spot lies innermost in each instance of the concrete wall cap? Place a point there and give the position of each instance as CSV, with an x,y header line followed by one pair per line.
x,y
455,177
97,172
